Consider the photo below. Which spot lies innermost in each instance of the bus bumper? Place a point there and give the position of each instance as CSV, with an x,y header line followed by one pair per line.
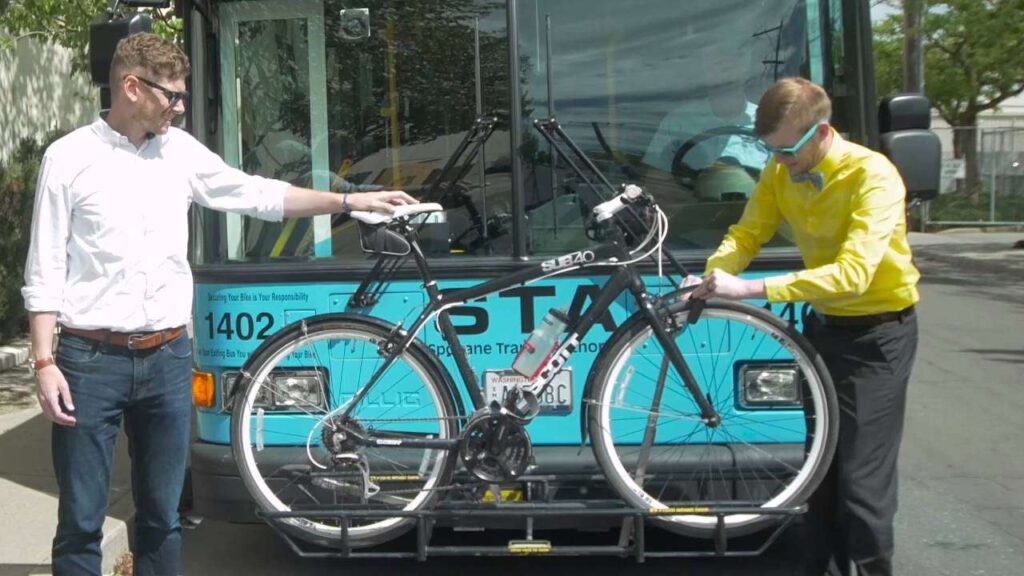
x,y
217,490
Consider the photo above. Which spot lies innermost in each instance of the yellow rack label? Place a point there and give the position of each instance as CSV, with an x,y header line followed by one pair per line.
x,y
529,546
681,510
506,496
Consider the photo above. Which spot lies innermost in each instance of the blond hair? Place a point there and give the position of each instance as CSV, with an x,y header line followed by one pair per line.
x,y
796,100
148,55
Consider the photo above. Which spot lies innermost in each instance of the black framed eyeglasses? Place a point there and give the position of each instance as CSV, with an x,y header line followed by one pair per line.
x,y
172,96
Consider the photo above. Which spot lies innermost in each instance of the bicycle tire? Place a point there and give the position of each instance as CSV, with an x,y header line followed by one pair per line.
x,y
335,354
757,457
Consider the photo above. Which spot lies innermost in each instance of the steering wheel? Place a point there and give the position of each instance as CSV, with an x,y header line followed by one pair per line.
x,y
686,174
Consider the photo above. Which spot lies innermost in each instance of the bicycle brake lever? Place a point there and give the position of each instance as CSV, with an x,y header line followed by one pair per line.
x,y
696,308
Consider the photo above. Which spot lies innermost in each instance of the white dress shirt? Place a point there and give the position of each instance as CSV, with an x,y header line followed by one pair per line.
x,y
110,226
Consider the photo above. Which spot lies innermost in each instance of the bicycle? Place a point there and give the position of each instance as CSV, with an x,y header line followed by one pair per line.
x,y
691,406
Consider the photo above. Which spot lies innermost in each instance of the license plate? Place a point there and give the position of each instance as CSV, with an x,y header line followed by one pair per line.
x,y
555,400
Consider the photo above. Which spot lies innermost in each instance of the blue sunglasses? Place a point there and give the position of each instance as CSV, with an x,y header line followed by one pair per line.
x,y
795,148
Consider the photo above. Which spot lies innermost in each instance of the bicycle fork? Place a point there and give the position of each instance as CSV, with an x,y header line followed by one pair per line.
x,y
673,356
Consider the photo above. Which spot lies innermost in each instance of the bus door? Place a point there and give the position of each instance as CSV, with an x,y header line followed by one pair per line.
x,y
274,82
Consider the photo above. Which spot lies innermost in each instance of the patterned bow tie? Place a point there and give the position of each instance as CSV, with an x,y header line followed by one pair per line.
x,y
812,177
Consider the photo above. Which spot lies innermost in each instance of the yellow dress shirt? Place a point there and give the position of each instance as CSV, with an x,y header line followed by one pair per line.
x,y
852,234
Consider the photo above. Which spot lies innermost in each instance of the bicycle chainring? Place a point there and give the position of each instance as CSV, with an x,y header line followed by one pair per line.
x,y
495,447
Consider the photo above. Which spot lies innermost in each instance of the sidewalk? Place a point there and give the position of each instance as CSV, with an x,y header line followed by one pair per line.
x,y
28,490
972,249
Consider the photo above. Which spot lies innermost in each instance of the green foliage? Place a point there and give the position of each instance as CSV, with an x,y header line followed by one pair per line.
x,y
66,23
958,208
888,50
17,192
972,63
972,55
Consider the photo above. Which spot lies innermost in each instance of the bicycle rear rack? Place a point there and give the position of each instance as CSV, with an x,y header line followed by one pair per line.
x,y
632,540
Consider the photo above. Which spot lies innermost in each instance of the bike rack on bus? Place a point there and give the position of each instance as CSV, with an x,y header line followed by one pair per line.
x,y
560,140
368,291
632,542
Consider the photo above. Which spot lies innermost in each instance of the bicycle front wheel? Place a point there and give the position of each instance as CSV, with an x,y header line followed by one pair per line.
x,y
771,390
295,448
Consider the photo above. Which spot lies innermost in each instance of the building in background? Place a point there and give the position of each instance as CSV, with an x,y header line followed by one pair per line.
x,y
1000,149
40,93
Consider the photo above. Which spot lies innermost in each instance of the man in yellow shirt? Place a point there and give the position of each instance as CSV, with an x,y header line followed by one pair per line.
x,y
845,207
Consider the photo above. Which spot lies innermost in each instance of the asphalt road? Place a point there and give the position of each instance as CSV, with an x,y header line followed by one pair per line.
x,y
962,467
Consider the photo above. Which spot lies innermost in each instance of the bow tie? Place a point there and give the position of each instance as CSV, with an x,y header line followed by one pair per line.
x,y
812,177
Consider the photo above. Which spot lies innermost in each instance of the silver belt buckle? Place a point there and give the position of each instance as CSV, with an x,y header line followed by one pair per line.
x,y
133,338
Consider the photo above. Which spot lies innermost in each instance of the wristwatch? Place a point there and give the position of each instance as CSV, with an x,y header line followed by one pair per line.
x,y
37,365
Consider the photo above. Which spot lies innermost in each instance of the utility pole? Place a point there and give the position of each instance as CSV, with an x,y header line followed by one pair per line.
x,y
913,62
913,46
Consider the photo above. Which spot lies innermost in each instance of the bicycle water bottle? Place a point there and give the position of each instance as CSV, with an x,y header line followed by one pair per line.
x,y
541,343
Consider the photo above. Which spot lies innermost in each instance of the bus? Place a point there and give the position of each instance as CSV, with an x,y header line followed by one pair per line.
x,y
438,98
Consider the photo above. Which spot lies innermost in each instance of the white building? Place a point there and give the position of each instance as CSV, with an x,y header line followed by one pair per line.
x,y
1000,148
40,93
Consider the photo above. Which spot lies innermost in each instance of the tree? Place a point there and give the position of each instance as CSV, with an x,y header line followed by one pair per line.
x,y
18,174
66,23
972,64
913,46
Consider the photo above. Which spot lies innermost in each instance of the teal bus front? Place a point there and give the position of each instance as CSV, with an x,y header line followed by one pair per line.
x,y
360,96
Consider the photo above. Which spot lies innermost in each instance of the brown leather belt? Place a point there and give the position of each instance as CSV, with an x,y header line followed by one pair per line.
x,y
131,341
868,319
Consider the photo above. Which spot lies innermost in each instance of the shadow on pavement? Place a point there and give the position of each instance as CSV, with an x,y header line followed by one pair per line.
x,y
24,569
1000,355
1002,283
17,390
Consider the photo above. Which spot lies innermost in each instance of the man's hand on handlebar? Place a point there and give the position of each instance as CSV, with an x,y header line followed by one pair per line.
x,y
719,284
688,285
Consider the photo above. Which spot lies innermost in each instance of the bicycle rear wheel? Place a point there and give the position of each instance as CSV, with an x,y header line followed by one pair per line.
x,y
775,399
295,452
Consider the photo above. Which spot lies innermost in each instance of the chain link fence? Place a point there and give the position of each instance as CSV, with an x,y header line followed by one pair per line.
x,y
989,194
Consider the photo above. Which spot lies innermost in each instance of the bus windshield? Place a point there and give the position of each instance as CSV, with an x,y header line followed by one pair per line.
x,y
378,94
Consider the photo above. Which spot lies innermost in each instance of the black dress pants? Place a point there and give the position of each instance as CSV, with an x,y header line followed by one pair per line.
x,y
850,517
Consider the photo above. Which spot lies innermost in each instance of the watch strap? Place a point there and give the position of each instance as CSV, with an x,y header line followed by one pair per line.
x,y
41,363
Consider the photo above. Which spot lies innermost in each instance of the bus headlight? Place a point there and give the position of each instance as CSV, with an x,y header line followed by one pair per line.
x,y
288,390
769,385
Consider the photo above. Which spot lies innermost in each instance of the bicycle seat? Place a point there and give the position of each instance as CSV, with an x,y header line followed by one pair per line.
x,y
402,211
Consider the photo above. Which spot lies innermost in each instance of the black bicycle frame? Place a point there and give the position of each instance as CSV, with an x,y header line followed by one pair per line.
x,y
622,278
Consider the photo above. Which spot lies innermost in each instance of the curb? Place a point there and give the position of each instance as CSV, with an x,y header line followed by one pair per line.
x,y
119,515
115,532
14,353
935,253
115,525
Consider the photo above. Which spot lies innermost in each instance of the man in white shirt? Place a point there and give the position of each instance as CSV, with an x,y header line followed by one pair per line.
x,y
108,263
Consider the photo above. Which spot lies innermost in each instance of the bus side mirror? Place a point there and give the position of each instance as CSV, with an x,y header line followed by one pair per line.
x,y
105,31
904,123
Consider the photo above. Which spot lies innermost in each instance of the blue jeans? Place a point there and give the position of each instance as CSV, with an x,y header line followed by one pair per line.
x,y
151,390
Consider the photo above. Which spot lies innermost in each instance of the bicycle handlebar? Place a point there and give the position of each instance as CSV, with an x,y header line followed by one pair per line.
x,y
606,210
